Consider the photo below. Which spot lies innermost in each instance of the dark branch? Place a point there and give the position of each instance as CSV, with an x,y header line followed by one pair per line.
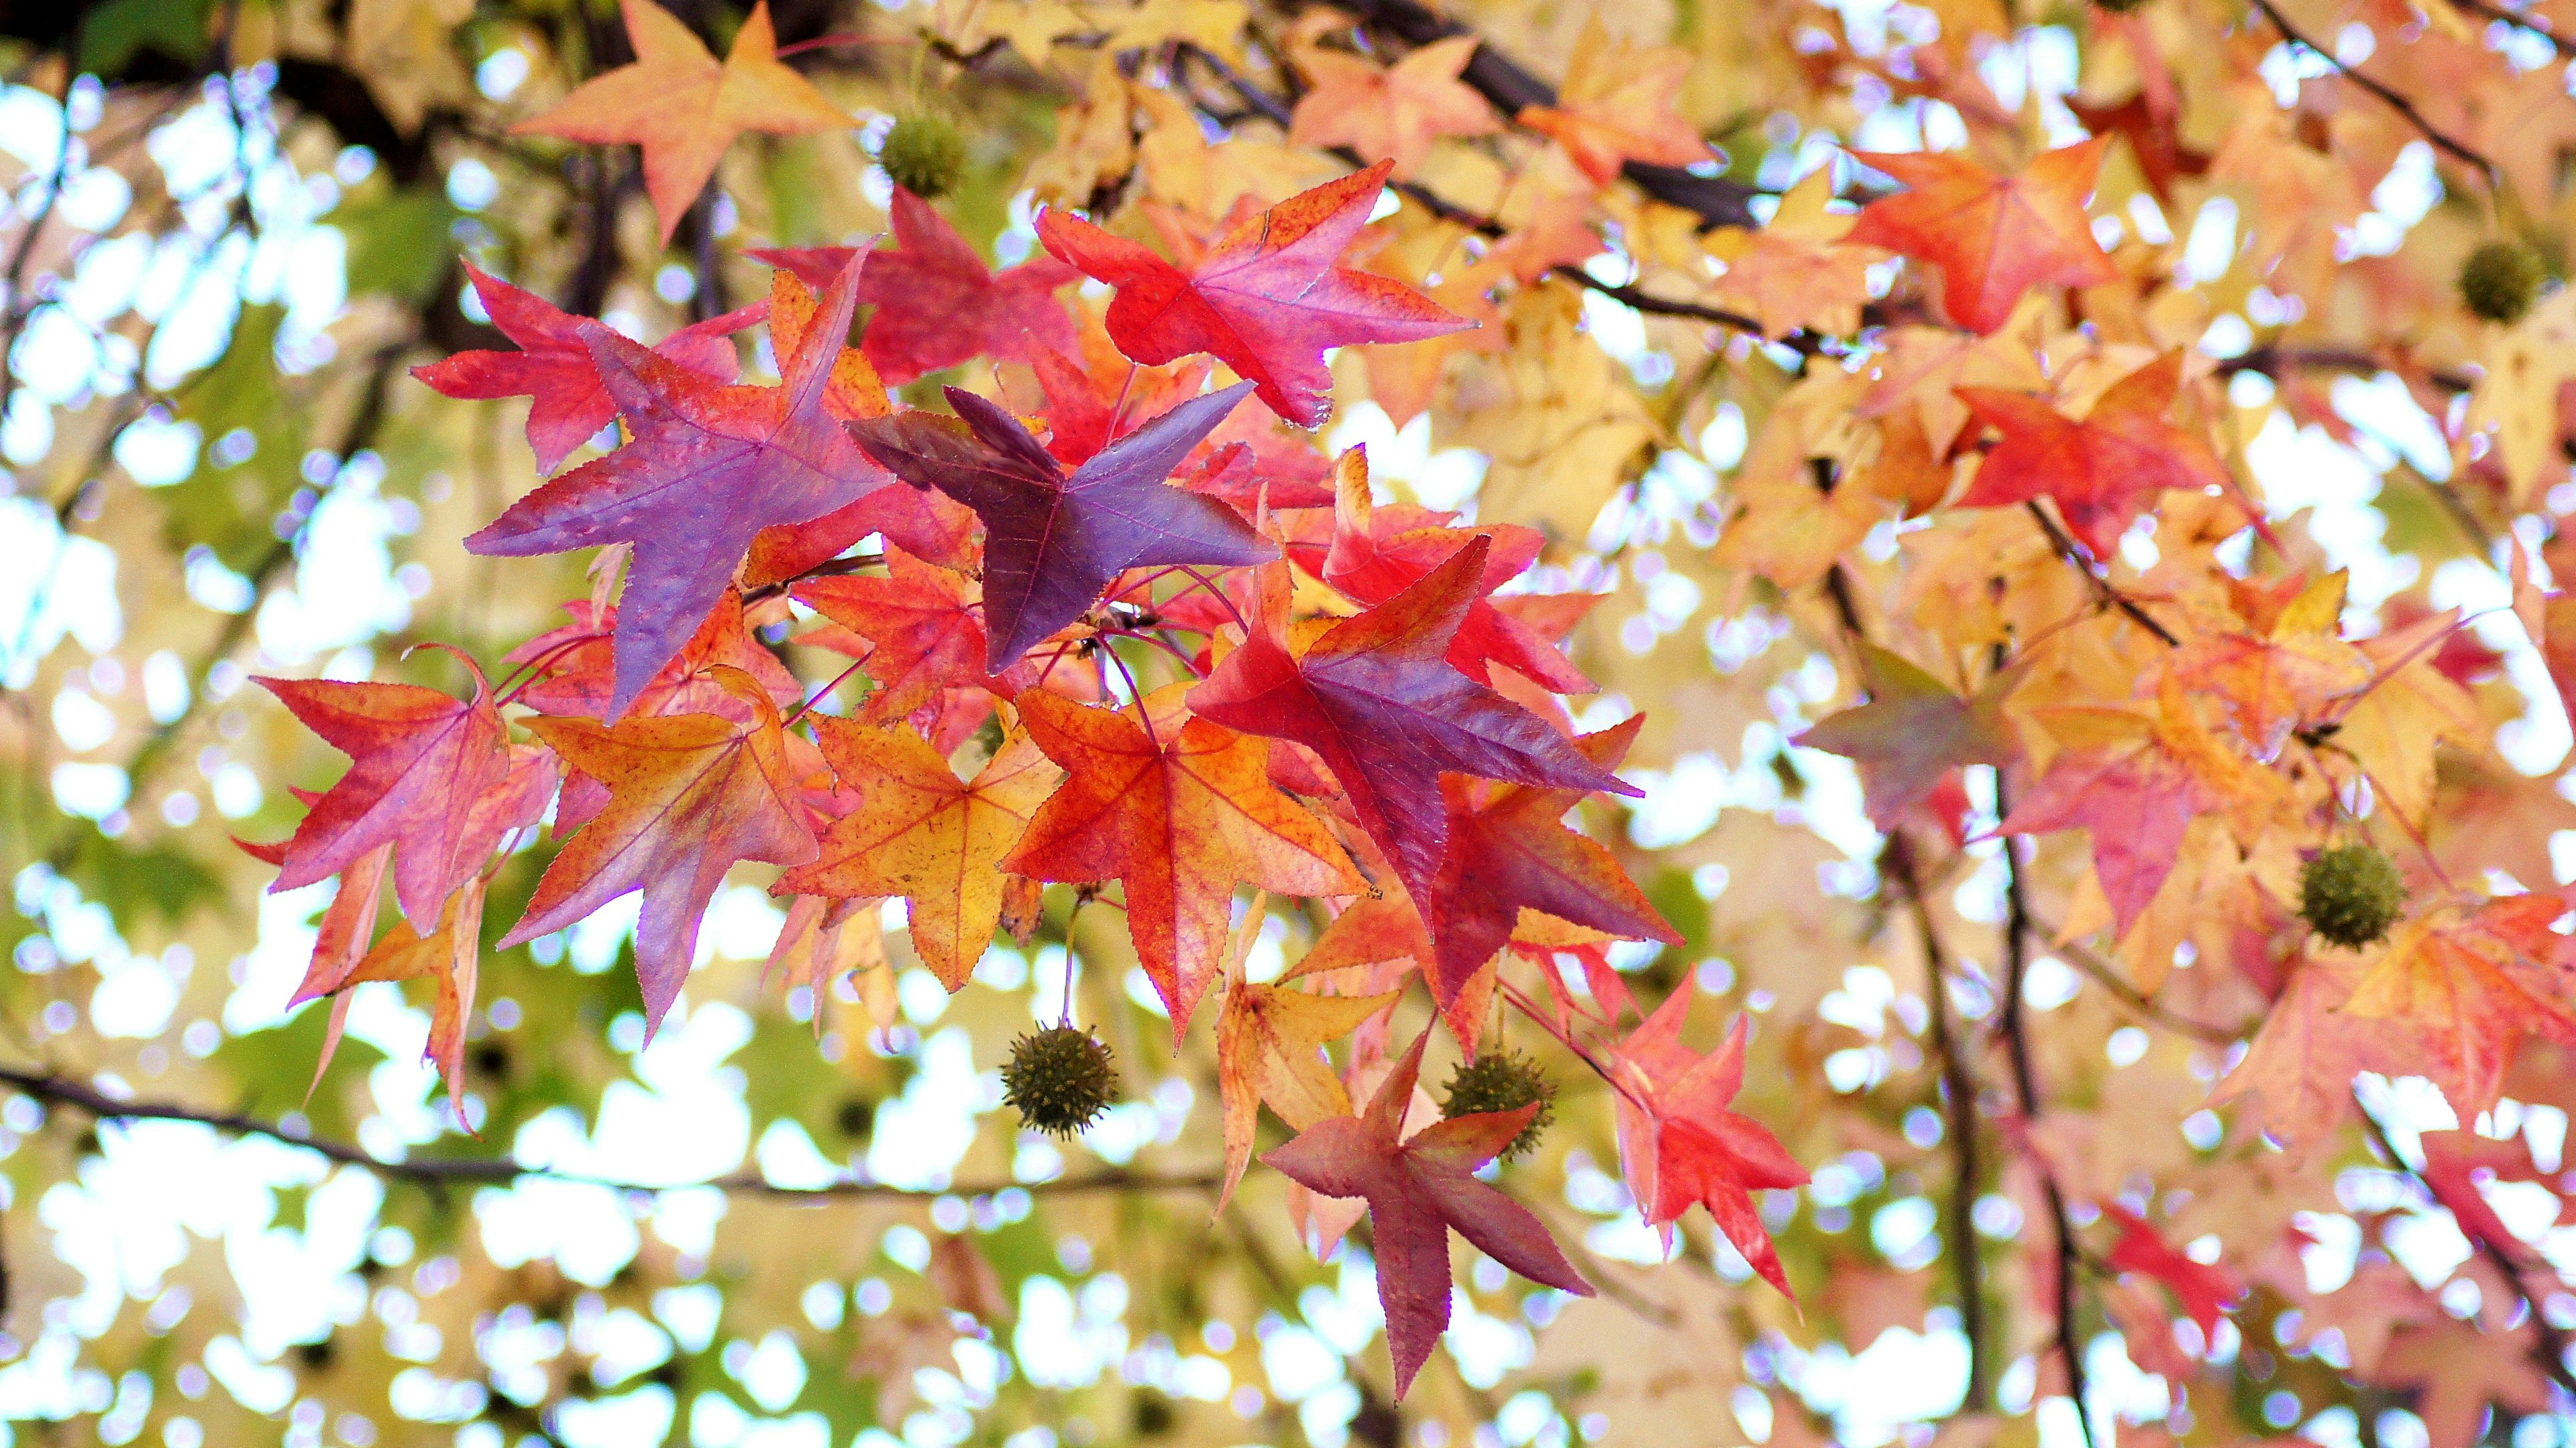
x,y
63,1091
2395,102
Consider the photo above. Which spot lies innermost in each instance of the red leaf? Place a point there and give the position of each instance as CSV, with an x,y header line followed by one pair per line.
x,y
709,467
1055,541
2203,1289
1266,300
1378,552
419,760
1417,1190
1179,814
937,303
1507,852
926,626
1376,698
1993,237
2102,471
1680,1145
554,366
688,796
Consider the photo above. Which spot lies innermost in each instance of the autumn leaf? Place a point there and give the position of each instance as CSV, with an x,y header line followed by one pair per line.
x,y
575,667
1270,1048
418,761
924,626
554,368
937,304
449,954
2101,472
2203,1289
2474,983
1508,854
1394,112
2460,1372
1178,811
1616,106
1795,272
1055,540
2295,1081
1417,1190
1267,299
1376,699
922,833
1993,237
1378,552
683,107
1678,1144
708,468
2135,781
2270,681
689,795
1913,732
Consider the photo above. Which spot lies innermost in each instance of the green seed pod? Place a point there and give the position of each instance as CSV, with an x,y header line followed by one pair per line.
x,y
2351,894
924,154
1503,1081
1059,1079
2500,279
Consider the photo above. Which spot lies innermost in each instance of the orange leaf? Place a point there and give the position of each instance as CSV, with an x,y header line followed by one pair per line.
x,y
1994,237
688,795
683,107
1270,1048
1390,112
924,834
1178,814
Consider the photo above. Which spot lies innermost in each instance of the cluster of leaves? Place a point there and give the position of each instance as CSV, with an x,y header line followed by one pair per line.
x,y
1999,525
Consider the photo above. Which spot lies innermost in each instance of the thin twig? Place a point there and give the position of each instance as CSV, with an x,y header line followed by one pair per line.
x,y
2551,1349
2103,592
89,1100
2527,24
2393,100
2026,1094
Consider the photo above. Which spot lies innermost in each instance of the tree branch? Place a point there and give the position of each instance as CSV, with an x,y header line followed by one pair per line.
x,y
58,1090
2392,98
2103,592
2026,1094
1716,200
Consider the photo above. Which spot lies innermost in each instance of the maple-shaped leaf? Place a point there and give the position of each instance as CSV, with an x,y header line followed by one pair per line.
x,y
419,759
1270,1048
924,625
1391,112
1913,732
1417,1189
2102,472
1178,813
2461,1371
1377,700
2204,1289
1795,272
684,107
1055,540
1617,106
2295,1081
1508,853
1994,237
709,467
937,303
2134,781
2473,983
575,672
922,833
1092,401
1378,552
553,365
1679,1145
451,954
689,796
1267,299
2454,1163
2154,135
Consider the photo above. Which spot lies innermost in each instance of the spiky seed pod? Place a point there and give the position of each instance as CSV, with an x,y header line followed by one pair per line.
x,y
924,154
2500,279
1503,1081
2351,894
1059,1079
